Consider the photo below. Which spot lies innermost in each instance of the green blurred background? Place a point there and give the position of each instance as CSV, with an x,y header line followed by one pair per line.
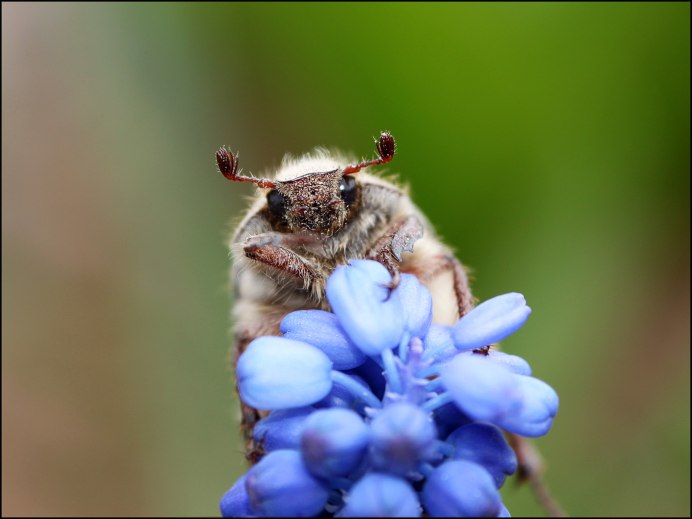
x,y
548,143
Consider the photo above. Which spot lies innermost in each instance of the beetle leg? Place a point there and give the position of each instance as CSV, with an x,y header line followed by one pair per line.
x,y
249,416
428,267
398,238
465,300
268,249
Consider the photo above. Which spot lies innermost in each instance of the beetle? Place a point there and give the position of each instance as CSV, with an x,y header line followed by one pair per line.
x,y
319,211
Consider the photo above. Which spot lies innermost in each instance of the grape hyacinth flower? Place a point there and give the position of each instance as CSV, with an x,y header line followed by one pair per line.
x,y
374,411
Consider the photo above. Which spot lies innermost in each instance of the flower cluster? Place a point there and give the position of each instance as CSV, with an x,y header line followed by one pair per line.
x,y
375,411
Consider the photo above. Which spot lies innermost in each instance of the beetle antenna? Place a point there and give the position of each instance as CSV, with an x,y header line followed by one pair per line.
x,y
228,166
385,147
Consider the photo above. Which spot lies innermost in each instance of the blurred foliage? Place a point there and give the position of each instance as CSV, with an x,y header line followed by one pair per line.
x,y
547,142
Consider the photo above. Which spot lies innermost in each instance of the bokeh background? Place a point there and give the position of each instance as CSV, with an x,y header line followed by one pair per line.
x,y
548,143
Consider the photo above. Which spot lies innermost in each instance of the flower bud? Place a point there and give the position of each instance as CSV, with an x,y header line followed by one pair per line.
x,y
402,435
381,495
416,304
278,373
448,418
539,405
282,428
484,390
360,299
334,442
236,502
438,344
485,445
321,329
280,486
491,321
461,489
515,364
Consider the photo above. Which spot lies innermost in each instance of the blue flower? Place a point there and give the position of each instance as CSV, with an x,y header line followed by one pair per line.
x,y
282,429
378,412
439,346
334,442
321,329
235,502
490,391
278,373
340,396
381,495
484,390
416,304
280,485
403,436
360,298
491,321
539,405
485,445
461,489
514,363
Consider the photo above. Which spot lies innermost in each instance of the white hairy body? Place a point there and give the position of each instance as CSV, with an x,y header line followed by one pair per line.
x,y
265,294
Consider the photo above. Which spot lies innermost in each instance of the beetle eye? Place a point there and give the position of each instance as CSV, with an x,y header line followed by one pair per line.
x,y
347,189
277,203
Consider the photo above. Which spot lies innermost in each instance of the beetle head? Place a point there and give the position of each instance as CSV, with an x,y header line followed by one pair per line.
x,y
313,194
316,202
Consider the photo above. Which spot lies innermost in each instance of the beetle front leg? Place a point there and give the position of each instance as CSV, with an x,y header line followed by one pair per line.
x,y
399,237
269,249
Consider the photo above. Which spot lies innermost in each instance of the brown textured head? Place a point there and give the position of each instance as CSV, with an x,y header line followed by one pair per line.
x,y
315,193
314,202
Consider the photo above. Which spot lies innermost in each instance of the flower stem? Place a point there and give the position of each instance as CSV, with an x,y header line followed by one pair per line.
x,y
437,401
403,347
531,469
391,373
434,385
356,389
429,371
